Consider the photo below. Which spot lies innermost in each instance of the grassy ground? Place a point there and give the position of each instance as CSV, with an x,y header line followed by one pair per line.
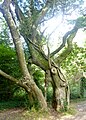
x,y
10,104
20,104
78,100
13,110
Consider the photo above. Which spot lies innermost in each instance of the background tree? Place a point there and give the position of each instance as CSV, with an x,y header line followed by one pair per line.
x,y
25,21
75,66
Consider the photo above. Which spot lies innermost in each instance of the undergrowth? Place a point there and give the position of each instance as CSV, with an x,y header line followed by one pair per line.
x,y
10,104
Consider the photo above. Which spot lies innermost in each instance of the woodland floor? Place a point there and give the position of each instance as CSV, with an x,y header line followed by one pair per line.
x,y
21,114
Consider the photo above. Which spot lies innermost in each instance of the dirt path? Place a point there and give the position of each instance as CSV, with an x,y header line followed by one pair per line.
x,y
18,114
81,112
12,114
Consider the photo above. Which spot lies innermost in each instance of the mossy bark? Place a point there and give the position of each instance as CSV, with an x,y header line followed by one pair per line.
x,y
61,94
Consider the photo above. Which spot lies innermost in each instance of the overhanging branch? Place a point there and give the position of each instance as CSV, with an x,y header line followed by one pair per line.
x,y
64,41
8,77
68,50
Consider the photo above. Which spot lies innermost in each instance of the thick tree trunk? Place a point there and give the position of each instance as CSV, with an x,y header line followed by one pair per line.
x,y
60,98
28,81
39,96
59,85
61,94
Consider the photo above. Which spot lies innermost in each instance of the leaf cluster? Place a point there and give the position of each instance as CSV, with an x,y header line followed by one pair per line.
x,y
75,62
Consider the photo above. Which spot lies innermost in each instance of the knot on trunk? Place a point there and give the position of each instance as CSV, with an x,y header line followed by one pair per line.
x,y
54,70
63,84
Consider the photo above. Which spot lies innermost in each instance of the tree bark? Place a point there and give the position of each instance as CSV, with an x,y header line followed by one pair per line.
x,y
28,81
37,57
61,94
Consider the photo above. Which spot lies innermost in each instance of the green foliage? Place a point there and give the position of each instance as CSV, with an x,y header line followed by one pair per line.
x,y
19,99
49,93
82,86
38,75
83,82
74,91
74,64
4,33
9,64
21,96
10,104
8,61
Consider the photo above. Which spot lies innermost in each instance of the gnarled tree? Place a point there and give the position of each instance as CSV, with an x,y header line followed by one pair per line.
x,y
25,21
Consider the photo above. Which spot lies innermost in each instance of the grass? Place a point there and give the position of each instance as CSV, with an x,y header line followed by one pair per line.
x,y
16,103
26,114
36,114
78,100
72,110
9,104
